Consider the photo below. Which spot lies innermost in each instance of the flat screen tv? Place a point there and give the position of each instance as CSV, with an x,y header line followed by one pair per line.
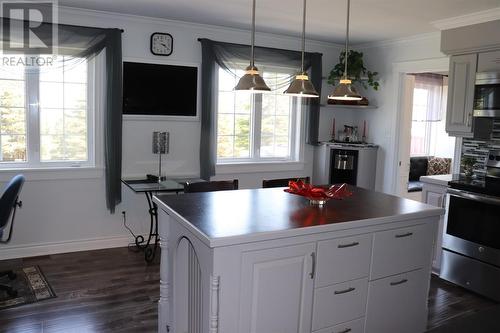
x,y
159,90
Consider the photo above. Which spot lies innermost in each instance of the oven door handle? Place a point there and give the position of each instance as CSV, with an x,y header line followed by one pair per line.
x,y
474,196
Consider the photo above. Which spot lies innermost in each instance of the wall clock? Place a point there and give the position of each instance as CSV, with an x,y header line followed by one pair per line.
x,y
162,44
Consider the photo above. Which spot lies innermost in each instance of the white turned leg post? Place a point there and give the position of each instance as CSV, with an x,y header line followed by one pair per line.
x,y
214,304
164,306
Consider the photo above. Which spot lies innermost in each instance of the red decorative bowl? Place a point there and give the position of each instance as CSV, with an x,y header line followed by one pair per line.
x,y
318,195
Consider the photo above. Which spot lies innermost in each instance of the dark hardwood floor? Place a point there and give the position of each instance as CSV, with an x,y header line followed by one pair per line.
x,y
114,290
111,290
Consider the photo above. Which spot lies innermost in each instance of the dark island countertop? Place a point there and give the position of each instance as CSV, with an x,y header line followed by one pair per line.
x,y
229,217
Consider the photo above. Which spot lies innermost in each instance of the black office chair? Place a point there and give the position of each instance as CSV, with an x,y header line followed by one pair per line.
x,y
282,182
8,205
218,185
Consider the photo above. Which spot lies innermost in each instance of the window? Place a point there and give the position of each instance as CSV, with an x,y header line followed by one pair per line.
x,y
256,127
45,115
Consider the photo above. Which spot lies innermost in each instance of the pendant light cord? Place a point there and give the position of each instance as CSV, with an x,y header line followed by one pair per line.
x,y
252,55
303,37
347,39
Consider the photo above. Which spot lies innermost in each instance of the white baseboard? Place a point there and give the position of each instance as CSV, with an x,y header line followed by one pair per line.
x,y
34,250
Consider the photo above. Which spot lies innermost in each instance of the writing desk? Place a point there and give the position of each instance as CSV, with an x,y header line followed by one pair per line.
x,y
150,188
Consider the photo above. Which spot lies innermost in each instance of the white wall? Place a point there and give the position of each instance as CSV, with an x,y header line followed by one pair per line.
x,y
69,214
382,122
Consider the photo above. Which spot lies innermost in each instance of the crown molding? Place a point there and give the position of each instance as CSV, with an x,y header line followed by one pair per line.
x,y
468,19
398,41
104,15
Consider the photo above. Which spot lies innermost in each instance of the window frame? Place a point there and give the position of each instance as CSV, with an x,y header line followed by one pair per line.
x,y
295,127
33,135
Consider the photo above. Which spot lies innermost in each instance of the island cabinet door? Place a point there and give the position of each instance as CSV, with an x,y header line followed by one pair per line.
x,y
277,290
398,303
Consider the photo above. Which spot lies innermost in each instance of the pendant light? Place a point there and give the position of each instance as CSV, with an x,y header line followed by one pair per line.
x,y
301,86
345,91
252,81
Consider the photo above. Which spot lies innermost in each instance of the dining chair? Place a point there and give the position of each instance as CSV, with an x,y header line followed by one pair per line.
x,y
217,185
282,182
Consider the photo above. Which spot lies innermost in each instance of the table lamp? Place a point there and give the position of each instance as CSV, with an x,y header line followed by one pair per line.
x,y
161,144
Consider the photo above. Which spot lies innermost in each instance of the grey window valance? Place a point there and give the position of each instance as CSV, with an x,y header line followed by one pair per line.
x,y
88,42
231,56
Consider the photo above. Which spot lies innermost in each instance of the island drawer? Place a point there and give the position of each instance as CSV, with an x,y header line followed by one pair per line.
x,y
339,303
401,250
343,259
354,326
398,303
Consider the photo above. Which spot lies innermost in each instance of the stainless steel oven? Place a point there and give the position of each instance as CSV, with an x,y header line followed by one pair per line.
x,y
471,240
487,95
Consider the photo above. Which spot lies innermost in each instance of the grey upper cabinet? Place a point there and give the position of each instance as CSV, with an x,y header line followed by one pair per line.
x,y
462,78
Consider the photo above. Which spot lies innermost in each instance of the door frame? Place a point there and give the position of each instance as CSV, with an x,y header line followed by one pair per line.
x,y
401,69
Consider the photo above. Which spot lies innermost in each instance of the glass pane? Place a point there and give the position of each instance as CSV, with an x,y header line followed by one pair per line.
x,y
51,121
225,124
225,146
16,71
242,125
51,148
13,121
267,146
227,81
283,105
242,146
268,104
13,148
226,102
12,93
76,147
282,146
76,71
243,103
51,95
75,96
281,126
52,74
267,126
75,122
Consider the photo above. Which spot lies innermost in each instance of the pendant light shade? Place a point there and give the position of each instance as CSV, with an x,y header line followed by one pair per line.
x,y
301,86
252,81
345,91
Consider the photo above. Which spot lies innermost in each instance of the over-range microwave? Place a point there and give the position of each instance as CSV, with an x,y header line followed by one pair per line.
x,y
487,95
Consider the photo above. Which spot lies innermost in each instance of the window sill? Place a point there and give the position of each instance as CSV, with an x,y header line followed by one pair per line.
x,y
53,173
253,167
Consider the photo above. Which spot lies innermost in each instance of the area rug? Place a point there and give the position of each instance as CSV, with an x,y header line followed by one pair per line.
x,y
31,286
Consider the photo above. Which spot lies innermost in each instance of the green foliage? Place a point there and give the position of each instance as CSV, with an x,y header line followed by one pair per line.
x,y
356,70
468,161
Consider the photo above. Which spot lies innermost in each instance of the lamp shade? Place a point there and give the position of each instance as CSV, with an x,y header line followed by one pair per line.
x,y
301,87
252,81
345,91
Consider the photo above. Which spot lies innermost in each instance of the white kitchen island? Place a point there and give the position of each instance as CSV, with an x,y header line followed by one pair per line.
x,y
265,261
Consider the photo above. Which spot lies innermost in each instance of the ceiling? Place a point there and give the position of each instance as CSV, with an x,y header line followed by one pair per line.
x,y
371,20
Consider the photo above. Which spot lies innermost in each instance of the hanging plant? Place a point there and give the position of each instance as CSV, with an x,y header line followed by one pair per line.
x,y
356,71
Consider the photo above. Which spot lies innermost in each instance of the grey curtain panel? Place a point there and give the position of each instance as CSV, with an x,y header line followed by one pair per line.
x,y
231,57
85,43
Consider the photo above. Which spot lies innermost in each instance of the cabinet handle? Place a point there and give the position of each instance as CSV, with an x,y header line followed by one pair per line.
x,y
313,268
343,246
469,117
348,290
408,234
347,330
399,282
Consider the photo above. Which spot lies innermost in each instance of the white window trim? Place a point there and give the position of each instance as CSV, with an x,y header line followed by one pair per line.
x,y
267,164
94,167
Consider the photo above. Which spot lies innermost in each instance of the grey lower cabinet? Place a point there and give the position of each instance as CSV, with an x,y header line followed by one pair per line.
x,y
460,104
